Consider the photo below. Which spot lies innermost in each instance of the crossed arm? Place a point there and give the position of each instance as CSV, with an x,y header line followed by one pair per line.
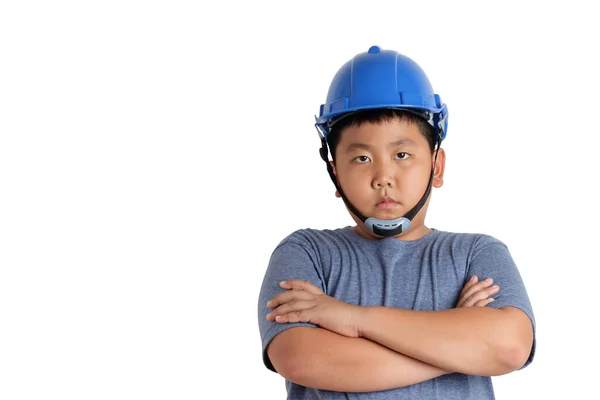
x,y
377,348
319,358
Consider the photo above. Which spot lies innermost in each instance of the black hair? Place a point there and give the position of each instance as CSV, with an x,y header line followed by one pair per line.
x,y
378,115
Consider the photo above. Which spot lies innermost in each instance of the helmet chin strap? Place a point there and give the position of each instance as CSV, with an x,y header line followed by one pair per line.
x,y
381,227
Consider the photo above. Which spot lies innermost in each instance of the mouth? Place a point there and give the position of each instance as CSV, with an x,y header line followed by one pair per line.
x,y
386,203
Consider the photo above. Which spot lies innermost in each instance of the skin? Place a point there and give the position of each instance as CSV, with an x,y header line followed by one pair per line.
x,y
388,159
324,359
393,160
469,340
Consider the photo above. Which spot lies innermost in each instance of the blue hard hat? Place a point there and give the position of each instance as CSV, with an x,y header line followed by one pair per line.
x,y
381,79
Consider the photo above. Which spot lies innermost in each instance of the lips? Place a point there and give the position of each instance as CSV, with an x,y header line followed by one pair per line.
x,y
386,199
386,203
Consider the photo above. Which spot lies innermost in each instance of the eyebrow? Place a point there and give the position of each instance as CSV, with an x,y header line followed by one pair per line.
x,y
364,146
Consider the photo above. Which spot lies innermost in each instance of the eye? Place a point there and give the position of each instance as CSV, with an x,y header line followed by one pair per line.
x,y
361,159
402,156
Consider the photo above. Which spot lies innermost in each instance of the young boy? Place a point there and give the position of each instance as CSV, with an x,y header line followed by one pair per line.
x,y
389,308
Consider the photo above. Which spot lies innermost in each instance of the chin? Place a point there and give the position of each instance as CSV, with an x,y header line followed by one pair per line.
x,y
387,214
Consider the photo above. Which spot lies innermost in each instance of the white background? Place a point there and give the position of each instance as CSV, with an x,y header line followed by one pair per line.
x,y
153,154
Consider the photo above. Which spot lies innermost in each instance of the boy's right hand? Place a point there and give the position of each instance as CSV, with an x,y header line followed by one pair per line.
x,y
477,294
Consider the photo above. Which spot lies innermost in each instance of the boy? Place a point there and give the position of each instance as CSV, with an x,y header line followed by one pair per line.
x,y
389,308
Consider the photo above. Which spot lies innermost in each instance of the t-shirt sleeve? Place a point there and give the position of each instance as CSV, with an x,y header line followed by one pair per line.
x,y
490,258
294,258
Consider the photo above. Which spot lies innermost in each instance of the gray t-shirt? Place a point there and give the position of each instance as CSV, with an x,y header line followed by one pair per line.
x,y
424,274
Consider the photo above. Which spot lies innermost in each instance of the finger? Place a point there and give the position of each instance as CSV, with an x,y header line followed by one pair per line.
x,y
474,279
480,295
289,308
289,295
483,303
478,286
298,284
475,288
296,316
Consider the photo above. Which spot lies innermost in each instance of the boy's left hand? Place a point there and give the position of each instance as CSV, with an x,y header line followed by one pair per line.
x,y
304,302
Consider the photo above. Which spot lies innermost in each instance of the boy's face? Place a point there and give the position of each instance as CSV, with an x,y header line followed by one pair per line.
x,y
384,170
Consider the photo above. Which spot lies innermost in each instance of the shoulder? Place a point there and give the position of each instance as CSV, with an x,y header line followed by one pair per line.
x,y
467,242
314,238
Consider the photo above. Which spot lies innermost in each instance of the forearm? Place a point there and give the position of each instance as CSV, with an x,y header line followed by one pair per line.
x,y
476,341
318,358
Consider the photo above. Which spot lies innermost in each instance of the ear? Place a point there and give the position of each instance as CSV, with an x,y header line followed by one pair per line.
x,y
337,194
440,164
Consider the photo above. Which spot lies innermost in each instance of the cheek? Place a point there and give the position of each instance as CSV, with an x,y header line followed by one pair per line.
x,y
354,180
415,180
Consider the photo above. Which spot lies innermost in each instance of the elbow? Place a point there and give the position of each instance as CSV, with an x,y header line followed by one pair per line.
x,y
291,368
297,371
288,361
515,348
512,357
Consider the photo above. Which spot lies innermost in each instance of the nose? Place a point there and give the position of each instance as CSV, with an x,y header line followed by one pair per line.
x,y
384,177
